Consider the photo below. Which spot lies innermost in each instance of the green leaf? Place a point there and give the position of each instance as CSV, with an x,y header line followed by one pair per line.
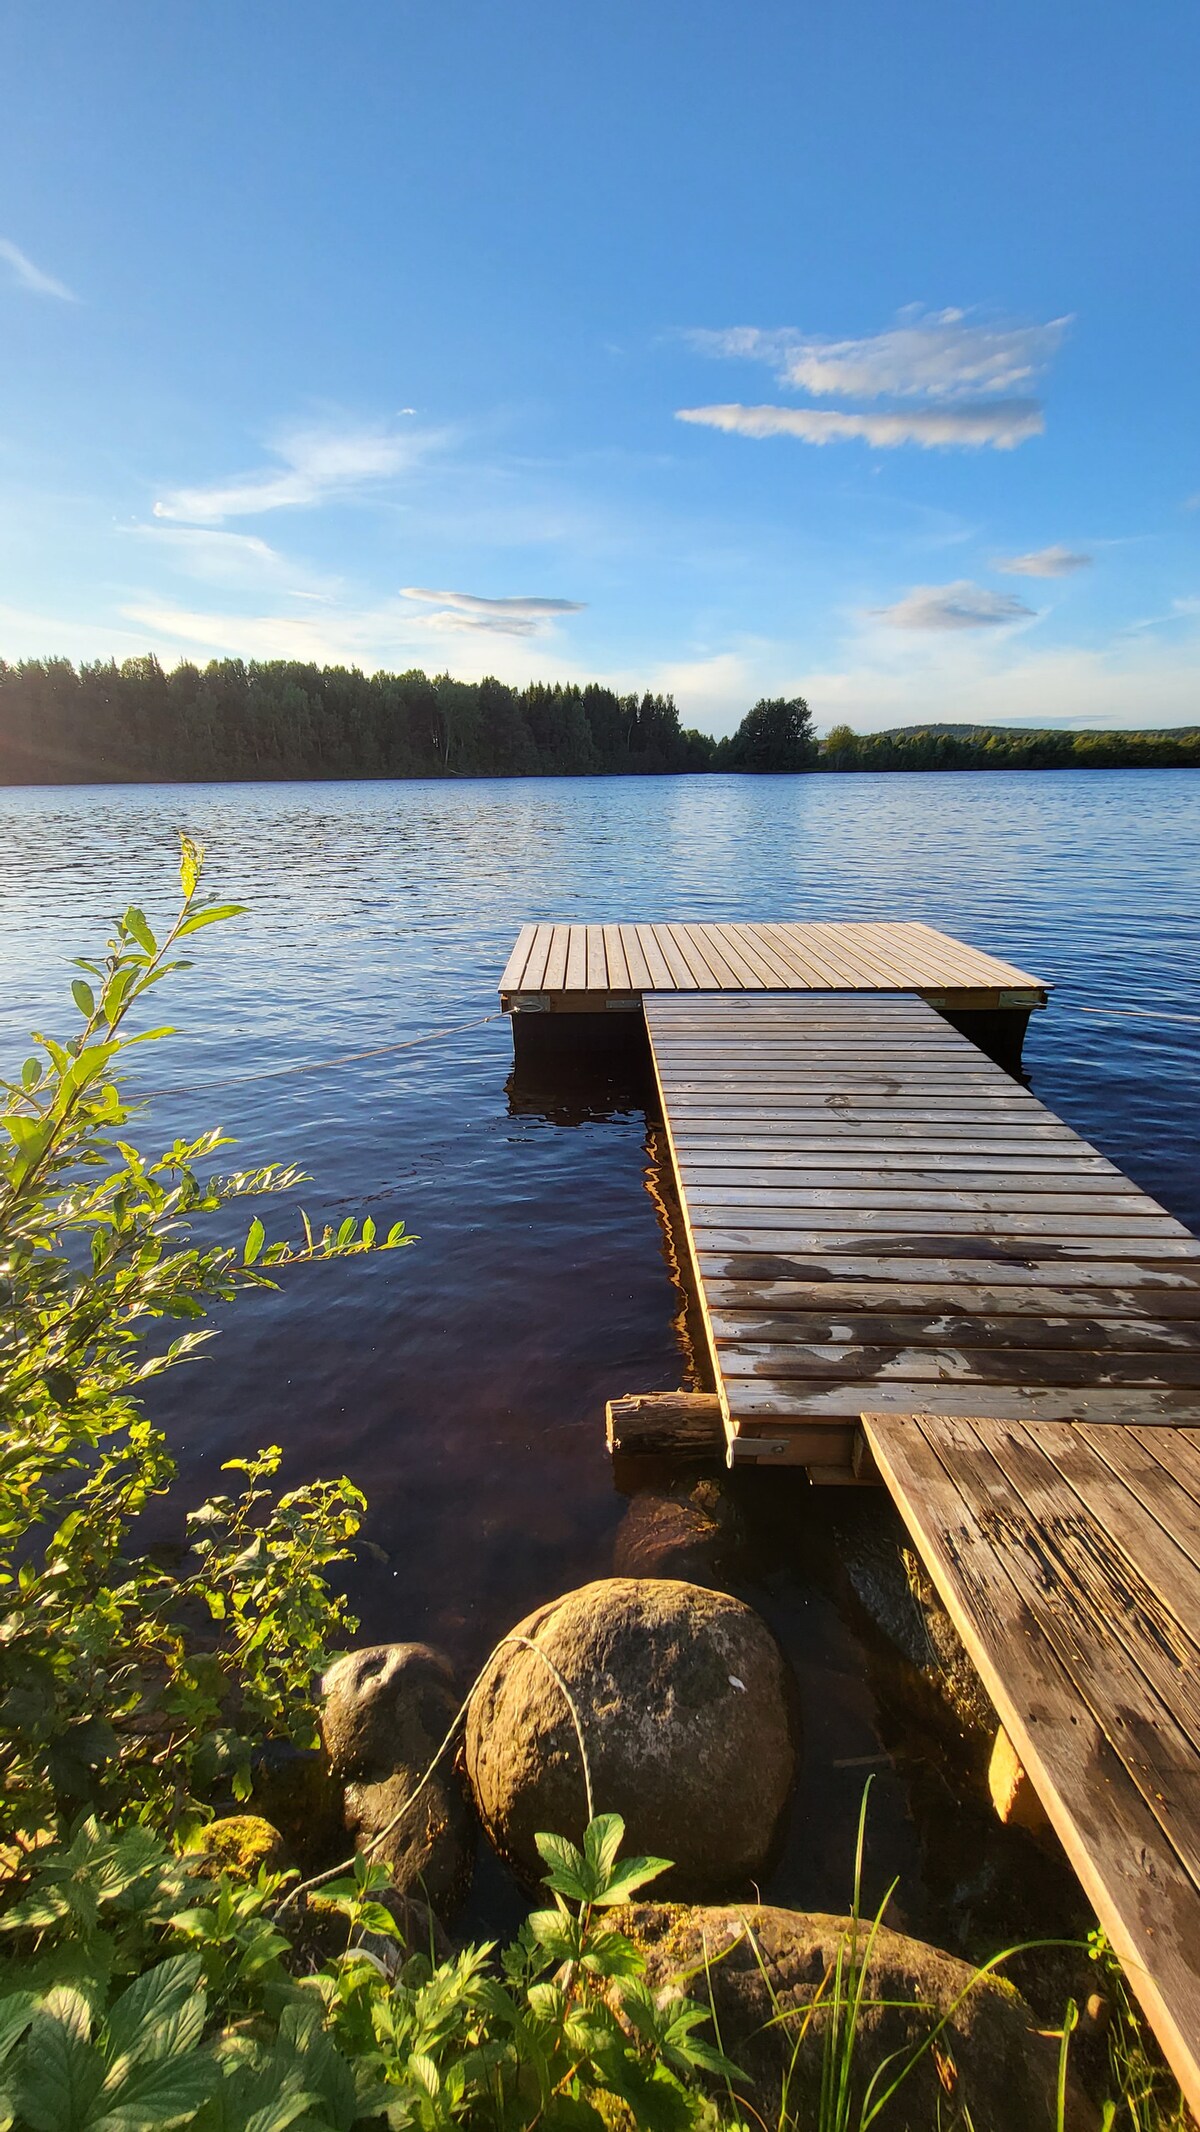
x,y
135,925
547,2002
212,914
160,2014
557,1932
602,1839
368,1233
255,1239
568,1873
84,998
345,1234
634,1873
152,2097
16,2013
422,2070
31,1073
59,2077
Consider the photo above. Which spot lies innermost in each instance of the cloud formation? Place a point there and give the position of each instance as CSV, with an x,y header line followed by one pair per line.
x,y
1002,424
29,276
316,466
935,355
515,617
962,605
221,558
1043,562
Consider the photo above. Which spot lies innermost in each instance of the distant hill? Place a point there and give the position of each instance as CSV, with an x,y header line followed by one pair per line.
x,y
1035,732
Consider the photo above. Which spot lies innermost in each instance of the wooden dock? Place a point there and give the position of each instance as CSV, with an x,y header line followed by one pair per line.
x,y
880,1217
910,1270
577,969
1068,1556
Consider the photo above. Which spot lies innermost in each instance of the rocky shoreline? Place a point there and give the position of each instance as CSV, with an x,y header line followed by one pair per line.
x,y
658,1695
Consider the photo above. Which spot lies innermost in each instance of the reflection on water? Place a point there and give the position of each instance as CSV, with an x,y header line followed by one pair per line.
x,y
463,1383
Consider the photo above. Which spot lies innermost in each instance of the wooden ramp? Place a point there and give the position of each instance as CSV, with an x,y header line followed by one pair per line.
x,y
1069,1559
881,1218
582,968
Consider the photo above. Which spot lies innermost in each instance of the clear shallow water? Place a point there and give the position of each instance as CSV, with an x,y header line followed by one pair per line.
x,y
462,1383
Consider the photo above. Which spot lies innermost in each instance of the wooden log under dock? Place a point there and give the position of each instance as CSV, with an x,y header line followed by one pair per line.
x,y
665,1424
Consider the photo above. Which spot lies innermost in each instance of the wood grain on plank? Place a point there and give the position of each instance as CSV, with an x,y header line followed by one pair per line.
x,y
1144,1895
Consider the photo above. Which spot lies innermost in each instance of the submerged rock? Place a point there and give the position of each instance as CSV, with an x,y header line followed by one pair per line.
x,y
920,1662
385,1712
689,1717
694,1534
987,2067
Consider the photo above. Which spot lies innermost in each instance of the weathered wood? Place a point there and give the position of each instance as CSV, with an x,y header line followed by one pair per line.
x,y
666,1423
1079,1611
774,1186
961,1326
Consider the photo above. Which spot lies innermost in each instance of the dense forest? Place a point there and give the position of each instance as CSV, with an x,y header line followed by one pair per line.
x,y
105,724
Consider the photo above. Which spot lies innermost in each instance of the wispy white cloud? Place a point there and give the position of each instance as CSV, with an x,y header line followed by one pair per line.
x,y
1002,424
315,466
962,605
1044,562
513,617
29,276
238,562
242,636
934,355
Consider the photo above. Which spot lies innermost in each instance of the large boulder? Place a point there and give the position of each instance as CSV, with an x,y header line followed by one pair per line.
x,y
385,1711
688,1712
762,1970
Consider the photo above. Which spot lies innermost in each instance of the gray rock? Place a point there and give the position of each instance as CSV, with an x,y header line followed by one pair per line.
x,y
385,1712
689,1715
989,2066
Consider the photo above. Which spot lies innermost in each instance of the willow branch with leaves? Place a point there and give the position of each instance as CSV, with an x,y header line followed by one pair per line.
x,y
109,1693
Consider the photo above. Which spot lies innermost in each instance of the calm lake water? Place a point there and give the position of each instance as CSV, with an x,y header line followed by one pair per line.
x,y
462,1383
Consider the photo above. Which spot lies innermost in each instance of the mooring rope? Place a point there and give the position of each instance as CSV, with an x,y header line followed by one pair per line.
x,y
347,1058
1148,1014
346,1865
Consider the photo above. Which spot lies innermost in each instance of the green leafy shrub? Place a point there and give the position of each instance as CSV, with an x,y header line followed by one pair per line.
x,y
124,1686
105,2026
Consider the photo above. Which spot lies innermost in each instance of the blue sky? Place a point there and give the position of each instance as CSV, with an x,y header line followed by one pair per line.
x,y
728,349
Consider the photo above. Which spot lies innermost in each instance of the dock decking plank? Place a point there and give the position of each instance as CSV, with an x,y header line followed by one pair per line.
x,y
1086,1718
834,959
836,1138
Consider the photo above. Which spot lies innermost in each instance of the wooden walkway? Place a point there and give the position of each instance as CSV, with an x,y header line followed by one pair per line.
x,y
1069,1559
576,968
906,1263
881,1218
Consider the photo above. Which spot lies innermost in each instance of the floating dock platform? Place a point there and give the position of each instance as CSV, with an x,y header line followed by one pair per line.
x,y
604,971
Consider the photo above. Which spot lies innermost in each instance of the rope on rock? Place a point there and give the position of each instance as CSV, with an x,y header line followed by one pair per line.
x,y
346,1865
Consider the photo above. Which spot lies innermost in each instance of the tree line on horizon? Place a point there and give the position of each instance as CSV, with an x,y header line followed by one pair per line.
x,y
104,723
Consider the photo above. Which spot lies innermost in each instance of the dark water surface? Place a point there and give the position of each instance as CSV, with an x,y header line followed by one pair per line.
x,y
462,1383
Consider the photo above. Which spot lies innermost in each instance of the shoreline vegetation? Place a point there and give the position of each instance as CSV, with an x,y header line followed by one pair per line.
x,y
280,720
